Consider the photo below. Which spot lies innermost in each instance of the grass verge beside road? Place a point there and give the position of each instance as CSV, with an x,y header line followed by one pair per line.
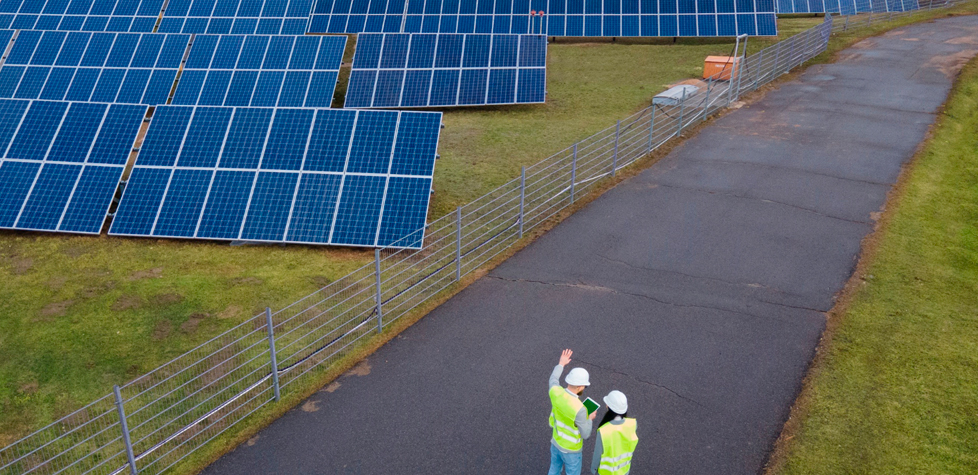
x,y
894,388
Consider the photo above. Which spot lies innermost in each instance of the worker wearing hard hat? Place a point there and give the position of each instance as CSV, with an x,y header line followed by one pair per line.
x,y
568,417
616,440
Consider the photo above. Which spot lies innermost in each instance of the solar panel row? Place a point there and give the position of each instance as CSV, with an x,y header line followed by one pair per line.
x,y
287,17
81,15
846,7
128,68
136,68
62,161
326,176
427,70
562,18
269,71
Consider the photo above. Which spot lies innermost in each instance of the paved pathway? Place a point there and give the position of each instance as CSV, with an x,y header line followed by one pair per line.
x,y
697,288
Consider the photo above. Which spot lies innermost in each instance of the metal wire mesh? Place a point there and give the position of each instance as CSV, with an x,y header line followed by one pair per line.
x,y
180,406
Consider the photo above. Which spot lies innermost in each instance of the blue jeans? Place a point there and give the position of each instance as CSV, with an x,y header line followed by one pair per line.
x,y
571,463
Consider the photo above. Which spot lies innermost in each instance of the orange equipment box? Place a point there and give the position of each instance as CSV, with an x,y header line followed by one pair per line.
x,y
719,67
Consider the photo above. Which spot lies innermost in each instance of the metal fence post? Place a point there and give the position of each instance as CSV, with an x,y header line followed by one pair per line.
x,y
573,174
522,197
651,127
614,158
740,66
125,429
271,347
682,110
458,243
846,27
706,102
380,309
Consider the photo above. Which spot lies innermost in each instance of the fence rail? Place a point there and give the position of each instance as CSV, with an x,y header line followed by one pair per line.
x,y
153,422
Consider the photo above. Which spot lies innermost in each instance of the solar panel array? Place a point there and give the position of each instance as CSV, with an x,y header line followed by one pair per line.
x,y
562,18
266,17
62,161
267,71
81,15
132,68
321,176
846,7
435,70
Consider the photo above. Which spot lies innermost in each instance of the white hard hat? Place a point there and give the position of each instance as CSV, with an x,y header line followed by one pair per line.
x,y
577,377
617,402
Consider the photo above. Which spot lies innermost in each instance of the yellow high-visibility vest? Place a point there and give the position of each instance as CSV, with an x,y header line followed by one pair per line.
x,y
565,409
618,443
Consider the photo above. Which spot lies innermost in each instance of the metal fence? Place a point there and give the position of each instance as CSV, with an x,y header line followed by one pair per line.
x,y
152,423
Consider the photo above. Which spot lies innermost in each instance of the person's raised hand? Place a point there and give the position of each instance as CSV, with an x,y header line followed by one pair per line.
x,y
565,357
591,416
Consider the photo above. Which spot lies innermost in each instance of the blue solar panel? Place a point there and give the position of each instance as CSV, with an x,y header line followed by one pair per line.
x,y
137,16
62,161
129,68
318,176
845,7
259,70
437,70
552,17
239,17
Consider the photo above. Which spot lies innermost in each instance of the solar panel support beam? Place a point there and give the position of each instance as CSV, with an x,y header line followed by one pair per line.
x,y
573,174
458,244
125,429
522,197
614,158
271,348
380,310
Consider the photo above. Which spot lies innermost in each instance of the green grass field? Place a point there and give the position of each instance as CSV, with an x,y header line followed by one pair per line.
x,y
896,387
79,314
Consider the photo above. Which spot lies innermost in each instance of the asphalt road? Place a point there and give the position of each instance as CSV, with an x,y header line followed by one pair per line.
x,y
697,288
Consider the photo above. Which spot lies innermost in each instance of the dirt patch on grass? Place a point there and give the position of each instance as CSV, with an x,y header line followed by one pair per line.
x,y
97,290
320,281
52,310
20,265
162,330
247,281
310,406
154,273
29,388
332,387
127,302
190,326
163,300
233,311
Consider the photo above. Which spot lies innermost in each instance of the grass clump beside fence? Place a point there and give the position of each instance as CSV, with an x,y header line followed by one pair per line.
x,y
895,388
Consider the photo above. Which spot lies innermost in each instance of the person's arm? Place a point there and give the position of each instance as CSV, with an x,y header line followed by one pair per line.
x,y
559,369
583,423
555,375
598,452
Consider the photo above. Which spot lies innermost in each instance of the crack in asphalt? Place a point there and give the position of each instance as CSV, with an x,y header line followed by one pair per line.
x,y
795,169
585,286
650,383
765,200
713,279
